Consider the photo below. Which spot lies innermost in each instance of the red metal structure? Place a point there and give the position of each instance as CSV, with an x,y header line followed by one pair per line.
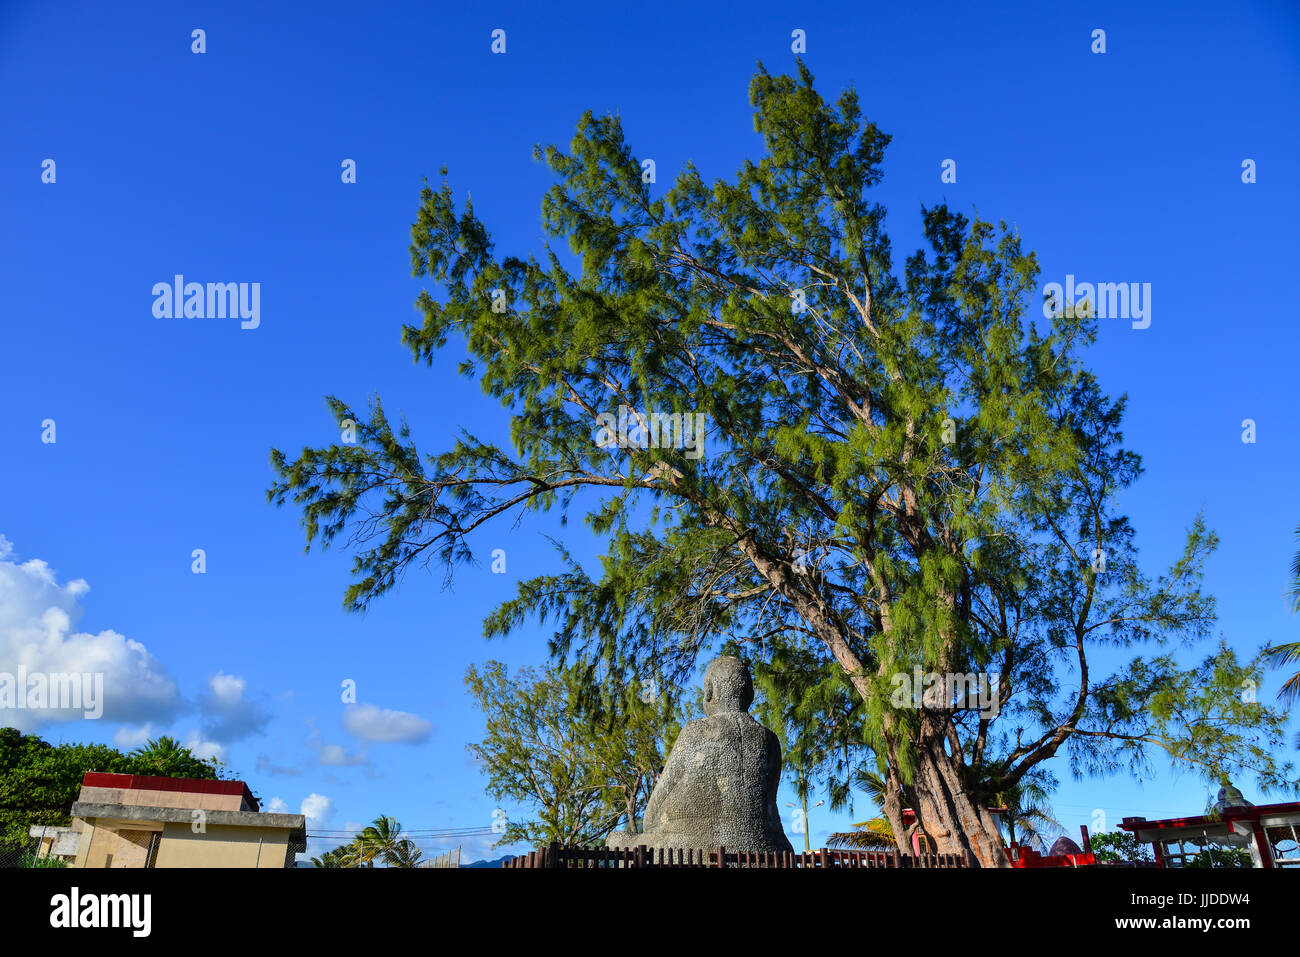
x,y
1270,832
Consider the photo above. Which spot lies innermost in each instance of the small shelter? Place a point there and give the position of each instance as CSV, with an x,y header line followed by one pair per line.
x,y
1269,832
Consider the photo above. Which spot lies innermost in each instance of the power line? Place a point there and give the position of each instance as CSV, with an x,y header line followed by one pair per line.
x,y
412,832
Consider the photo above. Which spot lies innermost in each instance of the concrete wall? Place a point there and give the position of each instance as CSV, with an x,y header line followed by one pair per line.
x,y
143,798
110,847
222,846
218,846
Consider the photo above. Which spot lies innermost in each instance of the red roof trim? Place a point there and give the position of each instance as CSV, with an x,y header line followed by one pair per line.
x,y
144,782
1229,814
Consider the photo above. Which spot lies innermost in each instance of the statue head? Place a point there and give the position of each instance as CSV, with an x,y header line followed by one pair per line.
x,y
1229,796
727,686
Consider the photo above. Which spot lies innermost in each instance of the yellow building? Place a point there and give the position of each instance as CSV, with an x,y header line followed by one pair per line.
x,y
127,820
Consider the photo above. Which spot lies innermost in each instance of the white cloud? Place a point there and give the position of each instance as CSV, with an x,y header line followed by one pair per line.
x,y
38,617
336,756
201,748
372,723
318,809
228,714
128,738
227,688
333,755
276,806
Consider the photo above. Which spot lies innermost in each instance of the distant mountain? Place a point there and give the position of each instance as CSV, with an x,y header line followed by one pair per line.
x,y
496,863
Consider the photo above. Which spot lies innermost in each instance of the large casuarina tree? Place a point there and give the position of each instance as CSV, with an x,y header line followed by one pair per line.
x,y
900,472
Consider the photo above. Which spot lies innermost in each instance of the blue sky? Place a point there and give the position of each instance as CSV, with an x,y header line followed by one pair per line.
x,y
1123,166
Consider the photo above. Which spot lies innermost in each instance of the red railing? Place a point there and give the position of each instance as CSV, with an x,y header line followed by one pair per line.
x,y
558,856
1027,857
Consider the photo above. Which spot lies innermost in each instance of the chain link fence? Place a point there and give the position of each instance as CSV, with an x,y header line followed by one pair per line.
x,y
16,854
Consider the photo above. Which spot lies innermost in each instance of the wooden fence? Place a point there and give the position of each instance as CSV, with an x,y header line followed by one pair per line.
x,y
571,858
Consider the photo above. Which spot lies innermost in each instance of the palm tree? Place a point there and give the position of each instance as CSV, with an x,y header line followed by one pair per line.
x,y
1294,593
338,857
354,855
875,834
161,749
1026,807
166,757
405,854
383,841
1289,652
1285,654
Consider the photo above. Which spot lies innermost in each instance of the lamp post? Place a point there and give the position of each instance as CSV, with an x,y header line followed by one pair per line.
x,y
804,807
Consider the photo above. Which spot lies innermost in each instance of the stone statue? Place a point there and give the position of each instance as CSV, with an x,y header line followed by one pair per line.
x,y
719,785
1229,796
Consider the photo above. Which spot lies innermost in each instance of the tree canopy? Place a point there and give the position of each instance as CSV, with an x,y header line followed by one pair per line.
x,y
899,471
581,751
39,781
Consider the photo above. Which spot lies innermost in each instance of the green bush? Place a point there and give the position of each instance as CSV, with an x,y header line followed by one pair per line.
x,y
29,859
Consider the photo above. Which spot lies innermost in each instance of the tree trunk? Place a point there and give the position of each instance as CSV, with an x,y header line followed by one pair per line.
x,y
946,812
943,808
892,804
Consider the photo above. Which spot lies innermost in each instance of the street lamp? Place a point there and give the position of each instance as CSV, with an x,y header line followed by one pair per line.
x,y
804,805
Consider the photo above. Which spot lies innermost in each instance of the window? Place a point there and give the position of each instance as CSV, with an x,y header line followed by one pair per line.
x,y
1205,851
1284,843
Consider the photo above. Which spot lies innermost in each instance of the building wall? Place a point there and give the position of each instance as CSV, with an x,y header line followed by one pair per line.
x,y
143,798
222,846
126,848
218,846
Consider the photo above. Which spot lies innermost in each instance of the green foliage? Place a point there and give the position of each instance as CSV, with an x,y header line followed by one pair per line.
x,y
874,835
166,757
40,781
383,841
1028,817
816,715
338,857
1288,653
903,469
1112,847
1293,591
582,752
1279,656
379,842
1200,717
29,859
1221,857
